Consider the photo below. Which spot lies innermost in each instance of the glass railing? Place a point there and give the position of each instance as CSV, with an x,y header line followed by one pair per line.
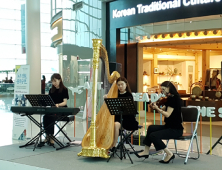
x,y
9,87
6,87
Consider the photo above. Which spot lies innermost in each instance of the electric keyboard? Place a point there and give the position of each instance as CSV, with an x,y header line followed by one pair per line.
x,y
45,110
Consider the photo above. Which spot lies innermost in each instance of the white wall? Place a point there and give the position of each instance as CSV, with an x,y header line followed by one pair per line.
x,y
147,66
215,61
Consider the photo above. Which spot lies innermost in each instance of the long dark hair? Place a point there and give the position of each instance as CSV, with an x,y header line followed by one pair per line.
x,y
61,85
127,84
172,88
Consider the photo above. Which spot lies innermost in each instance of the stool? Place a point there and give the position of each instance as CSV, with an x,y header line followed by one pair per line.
x,y
126,138
67,119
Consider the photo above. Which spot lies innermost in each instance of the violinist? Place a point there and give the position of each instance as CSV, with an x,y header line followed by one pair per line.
x,y
173,123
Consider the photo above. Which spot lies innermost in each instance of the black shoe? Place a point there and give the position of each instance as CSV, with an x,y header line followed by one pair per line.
x,y
51,143
166,162
141,156
112,149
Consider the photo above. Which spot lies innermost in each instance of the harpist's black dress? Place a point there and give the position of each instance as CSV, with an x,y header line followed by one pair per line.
x,y
129,121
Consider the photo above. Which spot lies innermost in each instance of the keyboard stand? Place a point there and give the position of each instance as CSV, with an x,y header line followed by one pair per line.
x,y
35,139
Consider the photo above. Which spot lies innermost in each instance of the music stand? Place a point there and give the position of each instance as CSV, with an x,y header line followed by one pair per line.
x,y
40,100
121,106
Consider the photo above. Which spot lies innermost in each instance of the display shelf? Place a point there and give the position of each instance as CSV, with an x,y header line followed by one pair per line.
x,y
168,75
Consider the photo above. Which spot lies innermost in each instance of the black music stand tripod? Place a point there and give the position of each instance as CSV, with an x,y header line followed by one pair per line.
x,y
121,106
39,100
218,142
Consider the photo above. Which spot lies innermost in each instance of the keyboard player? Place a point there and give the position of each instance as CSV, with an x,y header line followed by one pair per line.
x,y
59,94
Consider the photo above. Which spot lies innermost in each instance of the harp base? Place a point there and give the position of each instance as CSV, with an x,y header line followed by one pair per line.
x,y
94,152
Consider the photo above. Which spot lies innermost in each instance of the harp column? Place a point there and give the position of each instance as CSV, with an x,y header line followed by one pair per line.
x,y
96,51
93,150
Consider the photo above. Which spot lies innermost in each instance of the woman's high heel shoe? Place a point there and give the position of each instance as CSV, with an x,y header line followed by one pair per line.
x,y
166,162
51,141
141,156
46,140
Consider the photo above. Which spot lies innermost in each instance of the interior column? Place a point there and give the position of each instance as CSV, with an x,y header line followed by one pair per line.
x,y
154,76
33,52
196,67
140,72
205,64
33,44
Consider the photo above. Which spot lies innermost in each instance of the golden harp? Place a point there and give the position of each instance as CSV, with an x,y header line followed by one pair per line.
x,y
99,137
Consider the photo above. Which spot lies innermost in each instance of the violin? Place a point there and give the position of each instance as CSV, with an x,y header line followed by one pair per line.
x,y
161,101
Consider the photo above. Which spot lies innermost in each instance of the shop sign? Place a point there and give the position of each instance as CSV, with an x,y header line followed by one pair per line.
x,y
159,6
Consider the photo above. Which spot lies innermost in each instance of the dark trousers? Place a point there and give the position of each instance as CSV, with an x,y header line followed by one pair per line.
x,y
156,133
47,120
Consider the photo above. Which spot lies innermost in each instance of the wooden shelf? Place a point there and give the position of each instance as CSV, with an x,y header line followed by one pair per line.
x,y
168,75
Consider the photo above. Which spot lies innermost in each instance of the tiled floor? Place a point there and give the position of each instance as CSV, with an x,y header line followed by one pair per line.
x,y
6,128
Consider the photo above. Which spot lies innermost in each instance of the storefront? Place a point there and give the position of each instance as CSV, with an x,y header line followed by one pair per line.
x,y
165,40
179,41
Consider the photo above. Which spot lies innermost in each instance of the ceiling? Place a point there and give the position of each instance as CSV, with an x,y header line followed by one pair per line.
x,y
192,46
189,47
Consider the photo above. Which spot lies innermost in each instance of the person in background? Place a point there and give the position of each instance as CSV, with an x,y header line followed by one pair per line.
x,y
215,82
10,81
43,84
6,80
59,95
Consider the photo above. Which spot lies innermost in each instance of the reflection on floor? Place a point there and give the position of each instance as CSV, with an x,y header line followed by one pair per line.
x,y
6,126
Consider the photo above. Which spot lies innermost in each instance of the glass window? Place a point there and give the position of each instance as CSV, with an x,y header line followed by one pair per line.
x,y
10,37
59,4
49,53
46,39
10,24
82,25
45,27
12,4
45,8
10,51
8,64
10,14
45,18
49,66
